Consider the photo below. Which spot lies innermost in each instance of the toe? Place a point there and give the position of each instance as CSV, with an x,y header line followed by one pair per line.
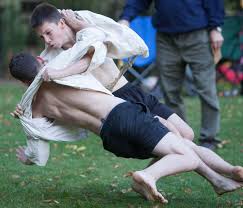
x,y
161,199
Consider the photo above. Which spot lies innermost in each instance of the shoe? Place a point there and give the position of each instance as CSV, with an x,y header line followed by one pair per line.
x,y
210,143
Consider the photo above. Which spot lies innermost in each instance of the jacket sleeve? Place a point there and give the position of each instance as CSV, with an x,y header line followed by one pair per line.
x,y
133,8
37,151
215,11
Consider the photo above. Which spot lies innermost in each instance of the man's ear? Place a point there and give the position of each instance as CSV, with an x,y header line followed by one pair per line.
x,y
62,23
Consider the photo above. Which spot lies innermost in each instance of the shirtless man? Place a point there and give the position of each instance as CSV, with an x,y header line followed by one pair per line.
x,y
58,34
127,130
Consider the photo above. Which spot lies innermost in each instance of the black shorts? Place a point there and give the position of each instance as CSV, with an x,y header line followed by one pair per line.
x,y
130,131
135,94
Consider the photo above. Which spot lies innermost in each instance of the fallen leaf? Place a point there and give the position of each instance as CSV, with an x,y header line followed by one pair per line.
x,y
223,143
51,201
22,183
47,200
188,190
15,176
124,191
114,185
128,174
91,168
240,203
116,166
57,202
82,148
65,155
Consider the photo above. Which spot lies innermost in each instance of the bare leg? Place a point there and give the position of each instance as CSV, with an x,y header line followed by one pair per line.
x,y
177,126
184,129
220,183
179,158
216,163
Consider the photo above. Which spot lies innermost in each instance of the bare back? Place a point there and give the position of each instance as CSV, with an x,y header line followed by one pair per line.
x,y
82,108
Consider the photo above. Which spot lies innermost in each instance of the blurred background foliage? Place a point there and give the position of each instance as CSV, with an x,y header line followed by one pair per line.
x,y
16,35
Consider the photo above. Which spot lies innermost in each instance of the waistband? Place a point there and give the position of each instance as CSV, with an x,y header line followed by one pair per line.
x,y
123,88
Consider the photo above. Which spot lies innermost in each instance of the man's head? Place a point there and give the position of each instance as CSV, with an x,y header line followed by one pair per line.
x,y
24,67
49,24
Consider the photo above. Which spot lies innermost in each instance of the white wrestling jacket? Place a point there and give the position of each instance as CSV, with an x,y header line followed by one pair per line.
x,y
108,38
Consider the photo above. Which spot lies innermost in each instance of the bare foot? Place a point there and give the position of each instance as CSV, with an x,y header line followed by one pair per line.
x,y
227,185
145,185
237,173
139,189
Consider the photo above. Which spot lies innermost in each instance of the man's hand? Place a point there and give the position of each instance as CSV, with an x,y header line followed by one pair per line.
x,y
22,157
124,22
216,39
18,112
51,74
72,21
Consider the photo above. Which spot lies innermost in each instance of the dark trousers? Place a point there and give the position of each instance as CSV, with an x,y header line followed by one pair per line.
x,y
174,52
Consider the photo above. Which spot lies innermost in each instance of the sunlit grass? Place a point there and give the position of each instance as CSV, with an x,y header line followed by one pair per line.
x,y
82,174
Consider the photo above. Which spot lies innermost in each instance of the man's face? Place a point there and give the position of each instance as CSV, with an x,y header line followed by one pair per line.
x,y
52,33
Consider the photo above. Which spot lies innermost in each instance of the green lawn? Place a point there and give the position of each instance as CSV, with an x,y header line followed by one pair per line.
x,y
84,175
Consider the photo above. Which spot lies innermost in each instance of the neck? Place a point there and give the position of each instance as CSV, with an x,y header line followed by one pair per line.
x,y
70,38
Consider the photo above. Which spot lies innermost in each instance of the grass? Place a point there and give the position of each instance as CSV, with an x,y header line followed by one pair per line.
x,y
82,174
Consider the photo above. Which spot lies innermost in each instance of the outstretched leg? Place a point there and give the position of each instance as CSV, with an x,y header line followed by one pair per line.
x,y
216,163
178,158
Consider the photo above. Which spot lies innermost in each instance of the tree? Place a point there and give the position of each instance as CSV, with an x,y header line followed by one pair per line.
x,y
13,31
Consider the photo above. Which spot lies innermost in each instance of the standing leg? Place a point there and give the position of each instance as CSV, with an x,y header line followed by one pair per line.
x,y
172,71
201,62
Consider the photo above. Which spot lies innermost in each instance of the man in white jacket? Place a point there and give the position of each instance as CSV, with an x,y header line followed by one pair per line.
x,y
127,129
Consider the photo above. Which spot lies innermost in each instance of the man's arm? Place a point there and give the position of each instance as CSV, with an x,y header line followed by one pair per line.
x,y
76,68
21,156
133,8
37,152
72,21
215,12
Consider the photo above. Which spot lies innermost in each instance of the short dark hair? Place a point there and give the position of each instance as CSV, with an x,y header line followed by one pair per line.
x,y
44,13
24,67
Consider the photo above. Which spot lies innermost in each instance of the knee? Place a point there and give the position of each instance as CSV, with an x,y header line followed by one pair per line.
x,y
185,130
185,148
192,158
189,134
193,161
